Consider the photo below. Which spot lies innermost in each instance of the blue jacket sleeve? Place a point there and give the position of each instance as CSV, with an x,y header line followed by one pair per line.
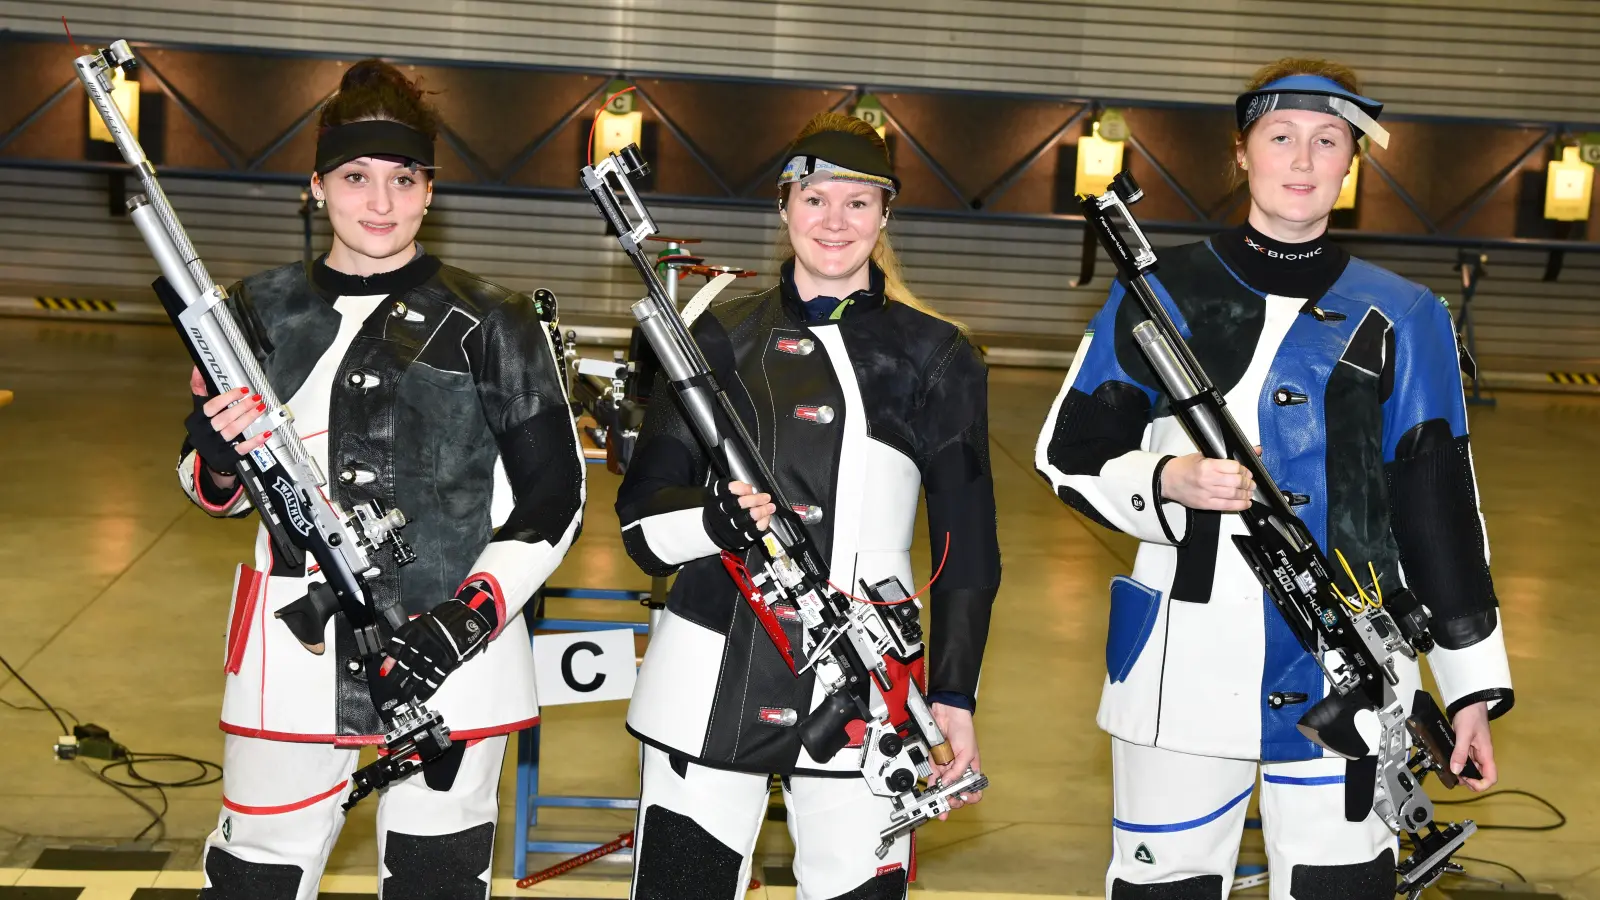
x,y
1093,446
1433,507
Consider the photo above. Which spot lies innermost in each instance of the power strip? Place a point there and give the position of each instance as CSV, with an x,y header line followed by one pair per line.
x,y
89,741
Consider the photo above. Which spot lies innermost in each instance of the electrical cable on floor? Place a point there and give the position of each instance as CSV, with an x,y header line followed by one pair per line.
x,y
20,708
1512,869
1561,818
35,692
124,759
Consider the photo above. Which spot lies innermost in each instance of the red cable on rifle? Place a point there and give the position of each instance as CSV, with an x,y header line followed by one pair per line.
x,y
936,573
596,121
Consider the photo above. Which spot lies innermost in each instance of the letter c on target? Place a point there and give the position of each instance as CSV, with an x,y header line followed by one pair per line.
x,y
570,678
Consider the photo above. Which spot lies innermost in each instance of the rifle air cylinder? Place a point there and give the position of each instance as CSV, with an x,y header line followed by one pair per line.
x,y
1180,385
155,235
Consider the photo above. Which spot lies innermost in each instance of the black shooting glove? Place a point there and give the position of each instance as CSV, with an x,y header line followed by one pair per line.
x,y
427,649
729,524
216,451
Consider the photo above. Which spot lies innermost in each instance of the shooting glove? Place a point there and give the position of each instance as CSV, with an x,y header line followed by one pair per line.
x,y
729,524
215,451
427,649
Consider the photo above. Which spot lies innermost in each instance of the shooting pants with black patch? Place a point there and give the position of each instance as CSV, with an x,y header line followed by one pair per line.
x,y
281,815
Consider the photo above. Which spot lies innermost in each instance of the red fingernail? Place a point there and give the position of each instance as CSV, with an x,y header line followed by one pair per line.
x,y
244,390
268,434
261,407
256,397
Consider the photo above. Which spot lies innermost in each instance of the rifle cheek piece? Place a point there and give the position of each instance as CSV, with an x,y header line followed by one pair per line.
x,y
1332,723
307,618
823,732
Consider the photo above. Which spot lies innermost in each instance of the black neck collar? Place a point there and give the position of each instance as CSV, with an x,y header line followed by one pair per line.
x,y
1307,269
871,297
334,284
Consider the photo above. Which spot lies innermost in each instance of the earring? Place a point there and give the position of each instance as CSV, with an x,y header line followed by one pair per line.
x,y
424,210
320,203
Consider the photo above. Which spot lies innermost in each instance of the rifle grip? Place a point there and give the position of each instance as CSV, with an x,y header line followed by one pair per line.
x,y
942,754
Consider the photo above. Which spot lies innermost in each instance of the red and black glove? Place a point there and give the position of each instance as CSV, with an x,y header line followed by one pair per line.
x,y
429,647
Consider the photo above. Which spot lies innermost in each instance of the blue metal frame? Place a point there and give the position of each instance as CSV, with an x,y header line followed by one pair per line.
x,y
528,798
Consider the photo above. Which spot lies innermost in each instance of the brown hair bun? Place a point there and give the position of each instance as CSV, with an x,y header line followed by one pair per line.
x,y
375,89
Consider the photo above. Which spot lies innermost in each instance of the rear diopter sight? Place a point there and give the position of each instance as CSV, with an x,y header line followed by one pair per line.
x,y
633,164
1126,187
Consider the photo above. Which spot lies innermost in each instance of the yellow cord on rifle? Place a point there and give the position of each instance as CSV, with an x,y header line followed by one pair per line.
x,y
1362,601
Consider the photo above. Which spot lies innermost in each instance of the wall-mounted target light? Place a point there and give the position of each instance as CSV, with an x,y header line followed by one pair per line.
x,y
869,110
1347,188
618,123
1352,179
125,94
1100,154
1569,185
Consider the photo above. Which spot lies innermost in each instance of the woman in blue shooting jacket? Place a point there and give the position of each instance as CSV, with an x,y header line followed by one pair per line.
x,y
1347,376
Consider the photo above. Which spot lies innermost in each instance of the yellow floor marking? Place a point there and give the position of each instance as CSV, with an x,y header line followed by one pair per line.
x,y
86,879
181,880
120,885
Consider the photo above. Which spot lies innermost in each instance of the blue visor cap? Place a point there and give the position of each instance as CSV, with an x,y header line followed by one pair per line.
x,y
1317,94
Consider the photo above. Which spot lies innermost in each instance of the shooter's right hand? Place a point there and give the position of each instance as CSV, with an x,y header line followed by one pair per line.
x,y
735,515
1200,482
216,424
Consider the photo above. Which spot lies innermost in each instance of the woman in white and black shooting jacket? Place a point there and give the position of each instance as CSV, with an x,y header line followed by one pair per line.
x,y
858,398
1348,377
428,389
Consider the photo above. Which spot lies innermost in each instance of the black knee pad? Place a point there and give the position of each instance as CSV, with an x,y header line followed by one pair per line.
x,y
1372,880
1200,887
438,866
235,879
679,860
884,886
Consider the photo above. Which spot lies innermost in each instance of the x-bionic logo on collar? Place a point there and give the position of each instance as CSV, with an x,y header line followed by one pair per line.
x,y
1273,254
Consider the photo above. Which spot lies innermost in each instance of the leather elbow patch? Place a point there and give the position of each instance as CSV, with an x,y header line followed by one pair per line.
x,y
1462,632
1433,505
546,477
1081,503
638,549
1093,429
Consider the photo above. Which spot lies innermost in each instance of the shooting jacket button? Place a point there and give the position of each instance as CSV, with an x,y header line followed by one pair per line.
x,y
1286,397
363,379
1296,499
402,311
821,415
1280,699
797,346
353,474
809,514
1324,315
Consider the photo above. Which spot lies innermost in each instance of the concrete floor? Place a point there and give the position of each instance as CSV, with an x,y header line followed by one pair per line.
x,y
114,591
